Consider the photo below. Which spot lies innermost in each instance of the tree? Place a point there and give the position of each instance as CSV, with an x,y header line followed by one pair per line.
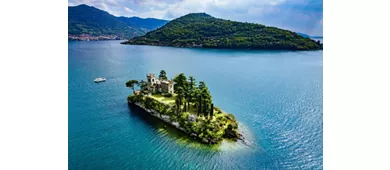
x,y
190,95
202,85
181,81
142,84
180,92
199,105
180,97
185,106
178,103
173,112
206,99
192,83
163,75
212,109
194,95
187,96
206,96
205,109
131,83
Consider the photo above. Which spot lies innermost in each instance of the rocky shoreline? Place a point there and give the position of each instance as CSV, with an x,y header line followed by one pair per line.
x,y
177,126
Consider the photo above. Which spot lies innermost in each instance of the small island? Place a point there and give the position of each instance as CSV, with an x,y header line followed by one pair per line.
x,y
201,30
184,104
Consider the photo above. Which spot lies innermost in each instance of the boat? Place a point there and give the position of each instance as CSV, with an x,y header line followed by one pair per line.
x,y
100,79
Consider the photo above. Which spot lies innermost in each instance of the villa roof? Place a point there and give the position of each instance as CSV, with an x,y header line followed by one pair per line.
x,y
166,81
150,75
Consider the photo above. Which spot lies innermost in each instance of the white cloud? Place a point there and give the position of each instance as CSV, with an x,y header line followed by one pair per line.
x,y
111,2
151,3
174,10
98,3
128,10
111,6
102,6
152,14
71,4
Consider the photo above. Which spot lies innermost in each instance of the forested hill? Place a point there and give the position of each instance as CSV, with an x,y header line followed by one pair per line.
x,y
84,19
203,30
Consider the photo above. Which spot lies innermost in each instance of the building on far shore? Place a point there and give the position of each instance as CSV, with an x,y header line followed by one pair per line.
x,y
159,85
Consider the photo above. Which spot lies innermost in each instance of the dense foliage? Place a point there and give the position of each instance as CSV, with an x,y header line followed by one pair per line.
x,y
192,97
193,110
85,19
207,129
203,30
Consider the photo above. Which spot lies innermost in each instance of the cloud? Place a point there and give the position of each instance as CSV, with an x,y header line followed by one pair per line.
x,y
111,6
214,7
128,10
71,4
111,2
151,3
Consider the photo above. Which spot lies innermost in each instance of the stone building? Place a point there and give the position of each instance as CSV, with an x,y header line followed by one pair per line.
x,y
159,85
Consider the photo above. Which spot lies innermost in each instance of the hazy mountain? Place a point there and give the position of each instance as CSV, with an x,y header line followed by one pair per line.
x,y
85,19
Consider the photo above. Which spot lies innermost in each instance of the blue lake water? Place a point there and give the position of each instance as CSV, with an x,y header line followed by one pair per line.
x,y
275,95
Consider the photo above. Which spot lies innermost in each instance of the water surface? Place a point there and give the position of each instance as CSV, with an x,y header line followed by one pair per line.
x,y
276,95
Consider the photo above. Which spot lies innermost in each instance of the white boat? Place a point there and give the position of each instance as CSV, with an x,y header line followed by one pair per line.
x,y
100,79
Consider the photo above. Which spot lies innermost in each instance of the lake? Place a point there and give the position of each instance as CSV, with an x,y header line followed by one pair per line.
x,y
275,95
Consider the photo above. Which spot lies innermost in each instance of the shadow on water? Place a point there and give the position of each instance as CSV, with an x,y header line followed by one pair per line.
x,y
154,122
178,136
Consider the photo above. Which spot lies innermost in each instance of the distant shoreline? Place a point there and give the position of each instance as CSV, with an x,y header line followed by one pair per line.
x,y
89,37
97,40
218,48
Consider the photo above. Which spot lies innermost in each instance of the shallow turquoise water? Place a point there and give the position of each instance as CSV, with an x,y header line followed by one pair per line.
x,y
277,96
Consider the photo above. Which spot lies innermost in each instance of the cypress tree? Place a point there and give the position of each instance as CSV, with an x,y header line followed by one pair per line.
x,y
198,110
205,109
185,106
212,109
177,106
200,105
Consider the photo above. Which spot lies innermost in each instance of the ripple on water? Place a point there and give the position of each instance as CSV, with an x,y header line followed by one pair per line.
x,y
276,96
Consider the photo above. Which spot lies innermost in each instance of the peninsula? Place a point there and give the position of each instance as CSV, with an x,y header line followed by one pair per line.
x,y
87,23
184,104
203,30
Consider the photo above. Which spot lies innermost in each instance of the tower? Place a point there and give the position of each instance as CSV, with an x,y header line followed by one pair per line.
x,y
151,79
170,86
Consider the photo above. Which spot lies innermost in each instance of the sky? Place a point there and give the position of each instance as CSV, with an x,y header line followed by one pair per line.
x,y
304,16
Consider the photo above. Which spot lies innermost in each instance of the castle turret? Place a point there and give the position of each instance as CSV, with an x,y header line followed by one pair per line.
x,y
151,79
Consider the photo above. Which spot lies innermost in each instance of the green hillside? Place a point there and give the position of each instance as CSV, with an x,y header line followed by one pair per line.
x,y
85,19
203,30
